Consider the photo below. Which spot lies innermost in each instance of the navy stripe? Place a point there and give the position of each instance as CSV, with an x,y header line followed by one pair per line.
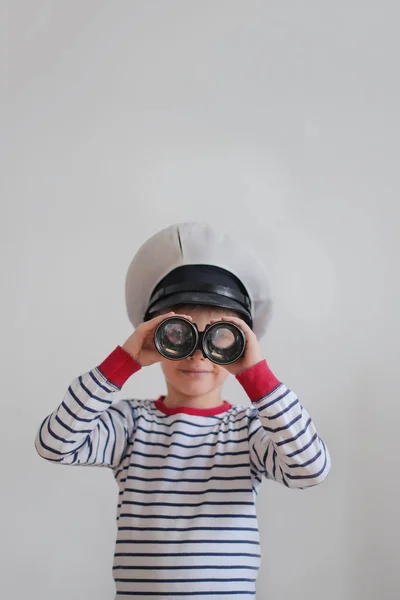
x,y
102,424
285,410
261,408
310,475
197,516
259,460
181,480
49,448
209,456
284,427
180,580
265,458
305,464
182,554
184,529
179,445
90,445
188,492
194,541
170,467
151,416
183,568
57,437
74,431
81,404
98,443
105,401
73,415
283,477
181,505
114,442
114,409
300,450
253,433
210,429
115,438
113,388
174,594
297,436
167,420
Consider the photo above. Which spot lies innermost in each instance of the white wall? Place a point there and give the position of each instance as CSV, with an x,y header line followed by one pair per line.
x,y
281,121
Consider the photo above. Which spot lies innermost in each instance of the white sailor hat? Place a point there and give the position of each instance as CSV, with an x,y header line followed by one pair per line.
x,y
195,263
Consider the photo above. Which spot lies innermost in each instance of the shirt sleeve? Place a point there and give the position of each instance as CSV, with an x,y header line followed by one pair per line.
x,y
87,428
283,441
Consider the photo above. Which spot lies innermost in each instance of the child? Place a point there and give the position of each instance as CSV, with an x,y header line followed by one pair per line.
x,y
188,465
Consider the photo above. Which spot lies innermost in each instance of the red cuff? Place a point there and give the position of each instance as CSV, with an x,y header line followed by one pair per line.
x,y
118,366
258,381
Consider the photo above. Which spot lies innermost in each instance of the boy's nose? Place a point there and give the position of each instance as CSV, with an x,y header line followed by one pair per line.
x,y
198,354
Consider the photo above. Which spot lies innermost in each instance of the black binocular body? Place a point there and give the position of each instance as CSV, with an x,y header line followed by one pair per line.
x,y
177,338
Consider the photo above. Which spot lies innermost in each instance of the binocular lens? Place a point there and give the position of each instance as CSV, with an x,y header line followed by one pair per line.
x,y
222,343
176,339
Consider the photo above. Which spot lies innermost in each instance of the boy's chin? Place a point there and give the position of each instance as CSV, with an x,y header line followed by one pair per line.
x,y
196,388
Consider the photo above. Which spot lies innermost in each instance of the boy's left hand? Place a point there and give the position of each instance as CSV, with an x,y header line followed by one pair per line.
x,y
252,354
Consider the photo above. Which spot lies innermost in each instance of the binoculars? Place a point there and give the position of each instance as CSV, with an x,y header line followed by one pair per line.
x,y
177,338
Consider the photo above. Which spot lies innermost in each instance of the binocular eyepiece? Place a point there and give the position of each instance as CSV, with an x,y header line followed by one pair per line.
x,y
177,338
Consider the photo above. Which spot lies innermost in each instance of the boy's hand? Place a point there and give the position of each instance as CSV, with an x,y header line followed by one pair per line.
x,y
140,345
252,354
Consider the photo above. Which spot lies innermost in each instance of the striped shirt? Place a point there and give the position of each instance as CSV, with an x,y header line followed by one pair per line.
x,y
188,478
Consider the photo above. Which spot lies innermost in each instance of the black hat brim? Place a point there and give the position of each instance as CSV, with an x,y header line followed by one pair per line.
x,y
199,299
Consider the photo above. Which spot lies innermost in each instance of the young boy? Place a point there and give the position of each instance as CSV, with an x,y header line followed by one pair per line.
x,y
188,465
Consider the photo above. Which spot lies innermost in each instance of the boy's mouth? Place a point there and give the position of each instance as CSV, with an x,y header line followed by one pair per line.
x,y
194,372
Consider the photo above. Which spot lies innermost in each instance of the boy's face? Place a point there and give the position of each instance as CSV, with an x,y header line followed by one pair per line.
x,y
195,376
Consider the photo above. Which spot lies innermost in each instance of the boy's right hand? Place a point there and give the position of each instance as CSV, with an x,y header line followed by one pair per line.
x,y
140,345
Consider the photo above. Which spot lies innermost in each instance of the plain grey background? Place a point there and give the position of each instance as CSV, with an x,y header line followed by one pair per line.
x,y
279,120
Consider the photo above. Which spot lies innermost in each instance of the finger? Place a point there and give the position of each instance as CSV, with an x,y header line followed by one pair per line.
x,y
162,317
152,324
185,317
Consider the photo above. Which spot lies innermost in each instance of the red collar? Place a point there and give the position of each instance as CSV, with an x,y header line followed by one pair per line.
x,y
199,412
